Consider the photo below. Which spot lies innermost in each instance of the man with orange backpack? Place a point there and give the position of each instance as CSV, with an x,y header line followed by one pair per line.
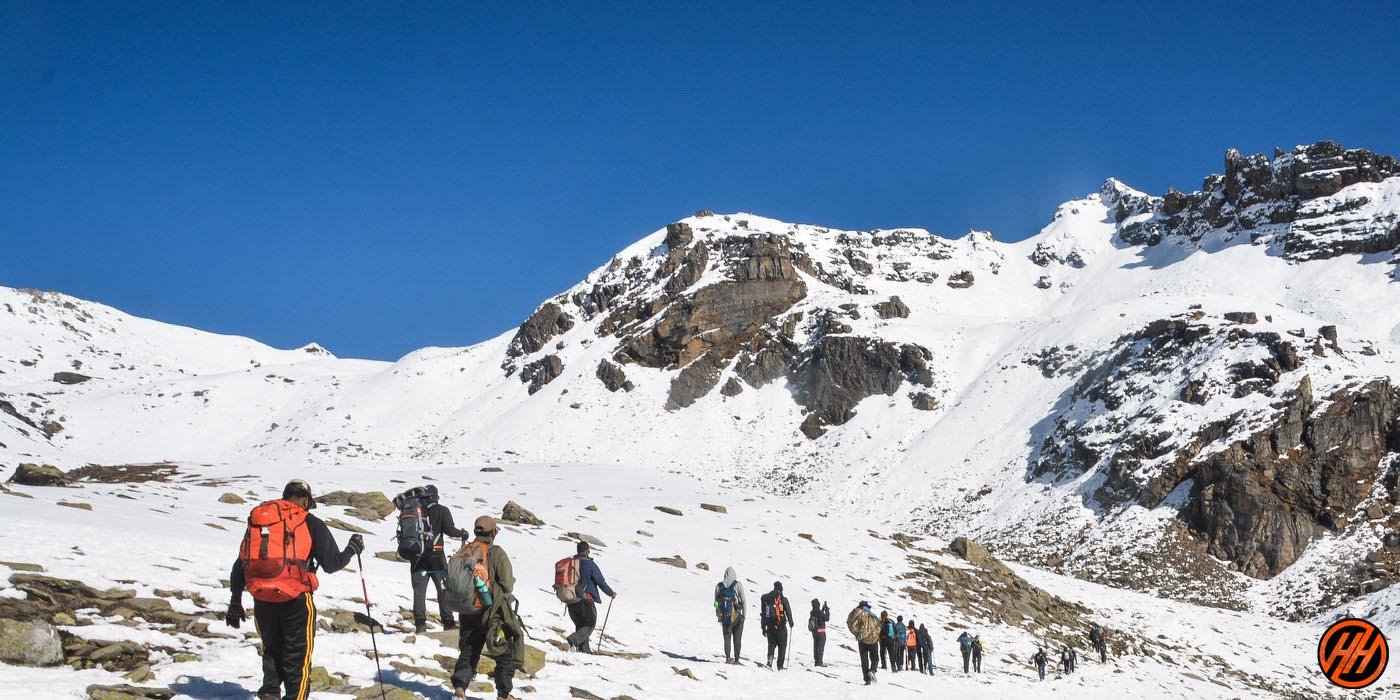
x,y
584,611
477,575
277,562
913,660
775,623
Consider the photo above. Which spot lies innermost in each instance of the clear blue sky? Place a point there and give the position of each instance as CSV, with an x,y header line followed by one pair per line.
x,y
382,176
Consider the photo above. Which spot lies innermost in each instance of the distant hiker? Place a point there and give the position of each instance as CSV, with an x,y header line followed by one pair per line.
x,y
479,584
776,621
977,653
1040,659
425,524
925,650
886,639
277,561
816,624
1099,638
897,642
965,645
866,629
584,612
1067,660
1073,660
729,609
913,660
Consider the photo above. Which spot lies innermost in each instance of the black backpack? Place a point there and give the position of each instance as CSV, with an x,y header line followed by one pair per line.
x,y
415,534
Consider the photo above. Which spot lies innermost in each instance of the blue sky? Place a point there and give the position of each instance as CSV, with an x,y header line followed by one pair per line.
x,y
384,176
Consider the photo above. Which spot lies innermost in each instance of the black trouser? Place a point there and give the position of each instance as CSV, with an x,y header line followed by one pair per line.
x,y
470,641
869,657
1103,653
898,655
967,655
288,632
885,653
735,633
914,659
977,661
421,579
927,654
777,641
585,616
818,646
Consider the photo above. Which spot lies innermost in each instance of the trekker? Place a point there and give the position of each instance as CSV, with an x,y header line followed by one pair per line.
x,y
913,660
965,645
816,624
282,582
729,608
866,629
775,622
886,639
472,638
432,565
1040,659
1073,660
926,650
1067,661
897,644
977,653
1099,638
584,613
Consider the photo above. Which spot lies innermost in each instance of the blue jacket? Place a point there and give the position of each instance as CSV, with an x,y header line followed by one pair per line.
x,y
592,578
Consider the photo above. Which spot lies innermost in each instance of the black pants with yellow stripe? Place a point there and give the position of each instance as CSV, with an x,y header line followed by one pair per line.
x,y
288,632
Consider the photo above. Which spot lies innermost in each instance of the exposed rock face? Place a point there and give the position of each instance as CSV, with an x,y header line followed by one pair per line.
x,y
613,377
1285,200
548,321
923,401
894,308
541,372
1291,469
732,387
839,371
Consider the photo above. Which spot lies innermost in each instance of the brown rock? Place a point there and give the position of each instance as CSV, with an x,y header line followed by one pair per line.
x,y
515,513
714,508
894,308
669,510
548,321
38,475
541,372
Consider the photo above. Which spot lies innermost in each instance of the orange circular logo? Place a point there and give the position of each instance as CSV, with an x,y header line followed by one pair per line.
x,y
1352,653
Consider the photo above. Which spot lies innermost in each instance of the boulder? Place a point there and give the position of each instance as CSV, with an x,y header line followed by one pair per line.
x,y
31,643
894,308
372,506
676,561
960,280
969,550
732,387
548,321
1246,317
128,692
70,378
669,510
612,376
541,372
232,499
591,540
39,475
714,508
924,401
516,513
120,656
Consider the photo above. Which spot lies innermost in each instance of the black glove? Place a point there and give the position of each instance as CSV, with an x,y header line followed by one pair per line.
x,y
356,544
235,616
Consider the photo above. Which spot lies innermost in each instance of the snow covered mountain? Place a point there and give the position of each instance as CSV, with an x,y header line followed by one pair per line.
x,y
1191,395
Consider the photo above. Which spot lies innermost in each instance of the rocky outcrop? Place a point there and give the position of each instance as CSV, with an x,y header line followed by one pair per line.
x,y
548,321
612,376
372,505
30,643
516,513
1287,200
541,372
961,280
894,308
39,475
837,372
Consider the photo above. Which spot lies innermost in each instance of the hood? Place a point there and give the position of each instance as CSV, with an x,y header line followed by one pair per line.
x,y
730,577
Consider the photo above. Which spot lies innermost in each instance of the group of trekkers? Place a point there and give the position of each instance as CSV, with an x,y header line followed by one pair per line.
x,y
285,546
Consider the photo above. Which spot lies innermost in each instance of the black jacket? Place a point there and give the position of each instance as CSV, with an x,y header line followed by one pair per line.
x,y
818,618
325,555
763,607
440,520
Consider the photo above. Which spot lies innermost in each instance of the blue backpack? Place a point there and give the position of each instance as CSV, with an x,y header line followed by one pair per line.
x,y
889,629
727,603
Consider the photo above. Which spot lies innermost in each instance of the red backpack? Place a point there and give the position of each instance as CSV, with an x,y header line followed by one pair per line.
x,y
276,553
567,581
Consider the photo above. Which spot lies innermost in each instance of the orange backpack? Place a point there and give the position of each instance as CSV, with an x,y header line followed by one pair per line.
x,y
276,553
913,639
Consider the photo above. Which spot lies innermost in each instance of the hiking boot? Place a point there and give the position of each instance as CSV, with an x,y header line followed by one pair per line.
x,y
459,693
449,626
420,627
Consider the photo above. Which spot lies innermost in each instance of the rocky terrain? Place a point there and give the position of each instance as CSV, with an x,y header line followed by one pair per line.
x,y
1191,394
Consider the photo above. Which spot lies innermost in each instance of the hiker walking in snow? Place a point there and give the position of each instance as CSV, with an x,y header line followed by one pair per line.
x,y
277,562
886,640
866,629
897,642
776,621
816,624
431,565
1067,660
913,660
1099,638
1040,660
729,609
965,645
926,649
977,653
584,613
479,582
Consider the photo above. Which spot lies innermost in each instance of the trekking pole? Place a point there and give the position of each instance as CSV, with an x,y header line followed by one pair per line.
x,y
602,633
378,670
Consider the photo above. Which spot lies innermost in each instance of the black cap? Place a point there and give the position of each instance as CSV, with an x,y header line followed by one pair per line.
x,y
778,586
297,487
